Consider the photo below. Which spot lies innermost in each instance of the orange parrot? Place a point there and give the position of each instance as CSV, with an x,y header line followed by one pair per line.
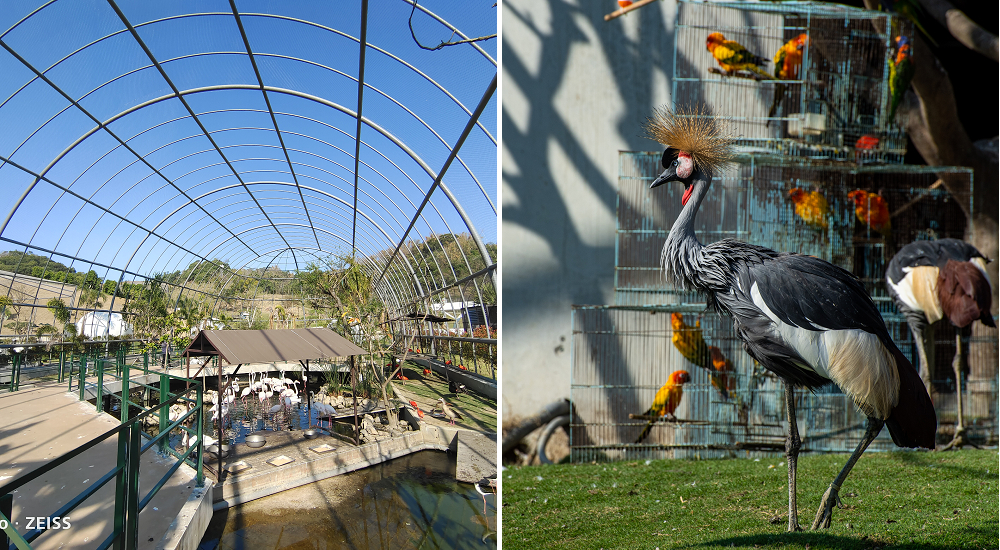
x,y
733,57
691,343
811,207
666,400
787,62
872,210
720,376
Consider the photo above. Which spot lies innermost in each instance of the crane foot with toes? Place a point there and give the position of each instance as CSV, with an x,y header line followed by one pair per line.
x,y
824,515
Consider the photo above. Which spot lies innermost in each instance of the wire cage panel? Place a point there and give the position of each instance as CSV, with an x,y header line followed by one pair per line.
x,y
622,356
750,201
840,94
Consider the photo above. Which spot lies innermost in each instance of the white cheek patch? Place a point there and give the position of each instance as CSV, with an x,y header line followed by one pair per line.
x,y
685,166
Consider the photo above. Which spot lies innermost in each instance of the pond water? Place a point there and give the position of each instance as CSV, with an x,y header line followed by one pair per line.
x,y
409,502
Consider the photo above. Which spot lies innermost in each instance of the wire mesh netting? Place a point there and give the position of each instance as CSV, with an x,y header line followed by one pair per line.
x,y
757,200
831,99
623,355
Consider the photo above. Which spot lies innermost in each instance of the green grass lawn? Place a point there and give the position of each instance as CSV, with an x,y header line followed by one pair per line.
x,y
891,500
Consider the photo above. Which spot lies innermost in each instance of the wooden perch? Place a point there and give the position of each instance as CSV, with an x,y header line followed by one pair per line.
x,y
665,419
622,11
738,74
910,204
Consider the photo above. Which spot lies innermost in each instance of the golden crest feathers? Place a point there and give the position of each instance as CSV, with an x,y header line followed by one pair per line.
x,y
706,137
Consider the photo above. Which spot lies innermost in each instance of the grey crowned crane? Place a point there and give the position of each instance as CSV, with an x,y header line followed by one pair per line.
x,y
804,319
942,279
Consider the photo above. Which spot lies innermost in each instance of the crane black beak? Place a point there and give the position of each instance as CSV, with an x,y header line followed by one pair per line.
x,y
670,174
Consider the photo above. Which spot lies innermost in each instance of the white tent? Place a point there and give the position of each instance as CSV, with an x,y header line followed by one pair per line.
x,y
101,324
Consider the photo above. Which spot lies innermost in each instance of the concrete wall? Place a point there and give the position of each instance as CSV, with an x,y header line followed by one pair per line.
x,y
576,91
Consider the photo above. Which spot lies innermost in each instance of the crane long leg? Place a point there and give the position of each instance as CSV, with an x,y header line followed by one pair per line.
x,y
792,445
959,438
831,497
924,369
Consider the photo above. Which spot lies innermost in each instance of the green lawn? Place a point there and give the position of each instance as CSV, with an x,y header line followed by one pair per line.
x,y
892,500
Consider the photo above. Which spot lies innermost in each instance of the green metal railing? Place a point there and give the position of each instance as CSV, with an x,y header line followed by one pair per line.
x,y
65,356
128,503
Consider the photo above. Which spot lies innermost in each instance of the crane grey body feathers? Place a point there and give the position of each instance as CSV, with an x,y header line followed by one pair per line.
x,y
806,320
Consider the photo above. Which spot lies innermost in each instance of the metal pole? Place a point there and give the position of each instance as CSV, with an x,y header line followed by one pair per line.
x,y
218,416
200,432
100,387
305,388
82,373
124,394
132,504
164,412
354,393
121,489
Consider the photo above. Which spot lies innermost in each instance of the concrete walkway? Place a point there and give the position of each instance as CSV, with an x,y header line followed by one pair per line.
x,y
42,422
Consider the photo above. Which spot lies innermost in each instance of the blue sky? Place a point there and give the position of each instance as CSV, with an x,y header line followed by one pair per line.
x,y
310,70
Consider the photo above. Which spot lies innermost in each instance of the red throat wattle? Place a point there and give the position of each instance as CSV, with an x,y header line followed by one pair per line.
x,y
687,194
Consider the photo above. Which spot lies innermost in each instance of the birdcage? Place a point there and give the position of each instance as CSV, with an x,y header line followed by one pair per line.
x,y
750,201
622,356
838,103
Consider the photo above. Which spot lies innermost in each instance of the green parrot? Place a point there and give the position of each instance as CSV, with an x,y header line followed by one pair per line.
x,y
900,74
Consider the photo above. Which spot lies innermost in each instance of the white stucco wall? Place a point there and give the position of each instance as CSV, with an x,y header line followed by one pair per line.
x,y
576,91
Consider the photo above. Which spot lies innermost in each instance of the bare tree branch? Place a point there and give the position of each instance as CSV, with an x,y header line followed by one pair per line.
x,y
962,28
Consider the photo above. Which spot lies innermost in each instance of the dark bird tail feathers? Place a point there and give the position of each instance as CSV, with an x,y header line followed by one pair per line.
x,y
913,422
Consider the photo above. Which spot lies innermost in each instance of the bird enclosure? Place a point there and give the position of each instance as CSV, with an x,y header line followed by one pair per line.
x,y
830,98
752,201
622,355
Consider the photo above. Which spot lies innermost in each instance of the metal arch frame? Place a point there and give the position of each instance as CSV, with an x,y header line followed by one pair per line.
x,y
391,99
363,47
487,96
178,249
176,245
267,101
416,158
100,126
234,270
276,183
194,116
198,54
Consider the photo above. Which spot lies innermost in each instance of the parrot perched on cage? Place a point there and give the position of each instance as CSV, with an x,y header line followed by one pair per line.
x,y
732,56
810,206
721,369
666,400
787,63
691,343
900,75
872,210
